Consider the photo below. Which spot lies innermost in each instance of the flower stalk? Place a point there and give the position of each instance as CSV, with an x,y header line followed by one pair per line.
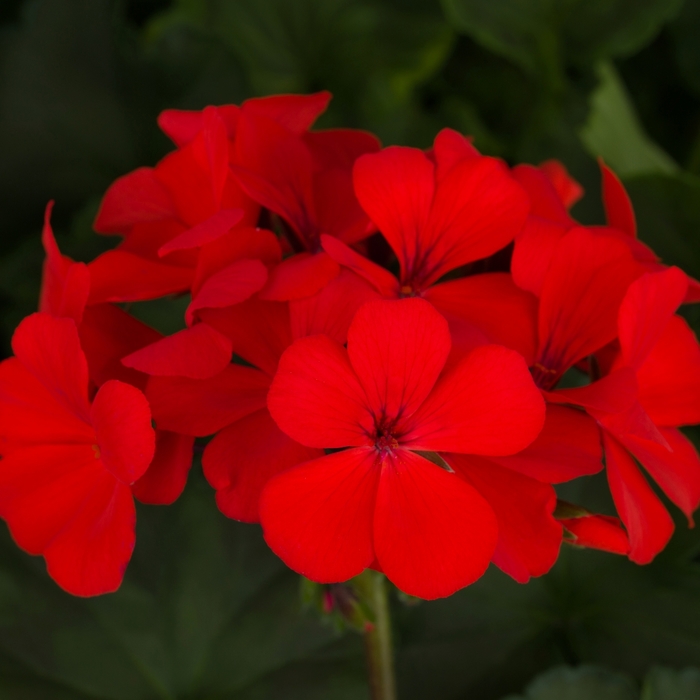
x,y
378,644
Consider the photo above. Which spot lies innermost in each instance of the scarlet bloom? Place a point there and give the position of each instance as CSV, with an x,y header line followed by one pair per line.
x,y
390,400
68,463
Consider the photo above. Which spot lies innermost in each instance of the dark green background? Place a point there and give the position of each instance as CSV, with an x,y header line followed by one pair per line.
x,y
205,610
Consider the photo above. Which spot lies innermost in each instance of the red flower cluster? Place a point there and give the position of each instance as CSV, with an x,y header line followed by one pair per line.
x,y
405,407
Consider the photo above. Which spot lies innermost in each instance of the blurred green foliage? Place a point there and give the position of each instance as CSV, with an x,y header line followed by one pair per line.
x,y
206,611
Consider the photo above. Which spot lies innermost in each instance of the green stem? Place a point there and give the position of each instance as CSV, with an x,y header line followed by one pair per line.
x,y
378,647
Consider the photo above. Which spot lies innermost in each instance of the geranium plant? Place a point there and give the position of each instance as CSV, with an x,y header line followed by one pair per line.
x,y
389,357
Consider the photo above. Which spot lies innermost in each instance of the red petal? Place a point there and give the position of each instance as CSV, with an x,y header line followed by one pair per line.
x,y
294,112
50,349
300,276
30,414
487,405
43,487
395,187
677,471
232,285
339,148
198,353
180,125
316,398
90,555
669,379
618,207
133,198
478,209
582,290
568,190
528,535
504,313
214,227
331,310
243,457
165,479
65,285
397,350
119,276
122,419
242,243
433,532
649,304
614,393
648,523
107,334
533,251
274,167
203,406
260,331
544,199
569,446
598,532
211,144
382,280
318,517
451,148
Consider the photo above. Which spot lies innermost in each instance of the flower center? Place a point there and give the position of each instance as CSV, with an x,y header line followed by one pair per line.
x,y
386,442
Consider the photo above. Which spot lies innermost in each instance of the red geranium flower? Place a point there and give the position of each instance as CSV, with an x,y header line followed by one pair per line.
x,y
386,397
68,464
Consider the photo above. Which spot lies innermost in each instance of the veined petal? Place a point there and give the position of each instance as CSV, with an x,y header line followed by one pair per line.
x,y
581,293
433,532
478,208
316,398
395,188
487,405
397,350
318,517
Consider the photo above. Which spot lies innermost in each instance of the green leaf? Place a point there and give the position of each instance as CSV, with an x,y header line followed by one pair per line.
x,y
614,132
543,35
371,54
668,217
582,683
206,610
667,684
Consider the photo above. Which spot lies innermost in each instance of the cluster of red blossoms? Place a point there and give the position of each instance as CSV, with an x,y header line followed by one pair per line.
x,y
396,353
